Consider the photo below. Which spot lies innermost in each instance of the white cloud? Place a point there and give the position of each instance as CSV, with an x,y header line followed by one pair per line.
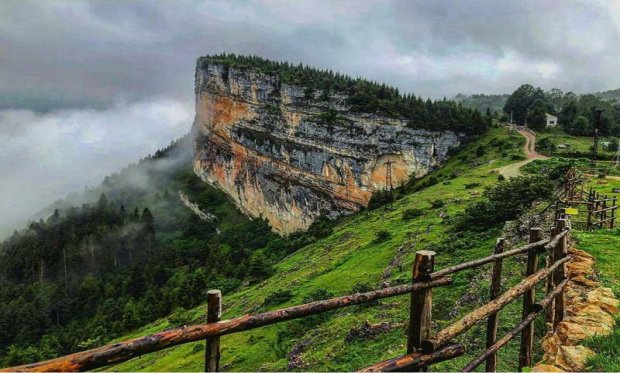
x,y
46,156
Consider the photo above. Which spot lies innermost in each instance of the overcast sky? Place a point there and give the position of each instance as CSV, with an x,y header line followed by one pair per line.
x,y
87,87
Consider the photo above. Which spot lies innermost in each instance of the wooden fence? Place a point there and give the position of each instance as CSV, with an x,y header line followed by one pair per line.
x,y
599,210
423,346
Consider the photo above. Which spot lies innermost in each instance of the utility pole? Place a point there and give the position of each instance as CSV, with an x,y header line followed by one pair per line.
x,y
597,125
617,152
388,176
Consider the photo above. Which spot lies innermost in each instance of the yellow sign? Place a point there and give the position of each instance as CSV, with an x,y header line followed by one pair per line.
x,y
571,211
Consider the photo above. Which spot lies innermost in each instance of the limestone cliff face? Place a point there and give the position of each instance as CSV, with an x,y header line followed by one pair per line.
x,y
291,158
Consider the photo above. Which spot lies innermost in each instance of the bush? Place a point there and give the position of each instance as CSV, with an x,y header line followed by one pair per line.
x,y
382,236
472,185
437,203
180,317
504,201
380,198
501,177
546,145
361,287
277,297
411,214
480,151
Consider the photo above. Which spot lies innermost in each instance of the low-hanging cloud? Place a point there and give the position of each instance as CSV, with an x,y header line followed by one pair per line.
x,y
46,156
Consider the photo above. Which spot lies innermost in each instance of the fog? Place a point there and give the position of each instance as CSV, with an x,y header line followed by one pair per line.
x,y
46,156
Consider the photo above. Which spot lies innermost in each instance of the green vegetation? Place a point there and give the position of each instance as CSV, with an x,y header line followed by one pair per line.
x,y
348,260
604,246
576,114
560,144
85,275
363,96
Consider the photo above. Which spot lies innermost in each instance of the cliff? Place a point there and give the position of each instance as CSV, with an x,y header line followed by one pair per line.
x,y
284,154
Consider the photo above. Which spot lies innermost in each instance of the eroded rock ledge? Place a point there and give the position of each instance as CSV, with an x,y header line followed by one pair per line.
x,y
289,158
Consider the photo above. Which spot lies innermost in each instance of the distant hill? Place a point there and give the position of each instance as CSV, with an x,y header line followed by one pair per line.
x,y
496,102
482,102
611,95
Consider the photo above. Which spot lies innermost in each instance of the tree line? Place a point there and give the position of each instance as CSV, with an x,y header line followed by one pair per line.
x,y
577,114
362,96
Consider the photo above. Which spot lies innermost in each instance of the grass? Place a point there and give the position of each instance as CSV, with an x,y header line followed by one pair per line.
x,y
573,144
605,246
351,256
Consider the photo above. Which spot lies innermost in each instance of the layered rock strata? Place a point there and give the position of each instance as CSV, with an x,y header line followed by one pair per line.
x,y
290,158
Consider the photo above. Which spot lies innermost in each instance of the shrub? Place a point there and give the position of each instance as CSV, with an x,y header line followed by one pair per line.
x,y
480,151
546,145
361,287
180,317
501,177
382,236
437,203
411,214
504,201
472,185
277,297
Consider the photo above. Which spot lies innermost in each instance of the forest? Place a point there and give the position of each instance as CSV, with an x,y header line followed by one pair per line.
x,y
86,274
363,96
577,114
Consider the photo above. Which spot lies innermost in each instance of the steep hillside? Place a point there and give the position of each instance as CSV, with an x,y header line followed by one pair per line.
x,y
357,256
290,150
124,254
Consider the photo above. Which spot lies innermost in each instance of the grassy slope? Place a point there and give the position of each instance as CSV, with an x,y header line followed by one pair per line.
x,y
605,246
573,143
346,257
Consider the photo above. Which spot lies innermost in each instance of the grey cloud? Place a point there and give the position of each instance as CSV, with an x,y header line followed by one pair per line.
x,y
87,54
46,156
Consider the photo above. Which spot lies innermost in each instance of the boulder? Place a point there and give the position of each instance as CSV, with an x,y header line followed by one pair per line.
x,y
573,358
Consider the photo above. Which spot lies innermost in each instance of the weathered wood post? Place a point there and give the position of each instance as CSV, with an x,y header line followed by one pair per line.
x,y
613,213
603,214
527,335
421,302
214,312
561,250
496,280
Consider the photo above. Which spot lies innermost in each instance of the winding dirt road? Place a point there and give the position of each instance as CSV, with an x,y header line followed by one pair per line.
x,y
512,170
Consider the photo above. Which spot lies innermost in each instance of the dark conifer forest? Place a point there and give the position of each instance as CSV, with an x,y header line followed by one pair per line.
x,y
88,273
362,95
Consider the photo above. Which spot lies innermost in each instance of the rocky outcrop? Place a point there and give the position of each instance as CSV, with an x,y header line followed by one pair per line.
x,y
284,155
589,311
202,215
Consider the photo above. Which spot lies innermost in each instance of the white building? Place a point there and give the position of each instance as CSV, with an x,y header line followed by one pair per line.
x,y
552,120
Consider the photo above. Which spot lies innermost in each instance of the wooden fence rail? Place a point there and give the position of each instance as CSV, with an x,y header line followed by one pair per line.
x,y
600,209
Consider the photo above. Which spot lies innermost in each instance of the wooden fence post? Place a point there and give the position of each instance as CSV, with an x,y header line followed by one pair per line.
x,y
527,335
561,250
491,363
590,209
613,213
214,312
421,302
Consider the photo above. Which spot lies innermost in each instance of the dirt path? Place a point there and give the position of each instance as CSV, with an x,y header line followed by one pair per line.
x,y
512,170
